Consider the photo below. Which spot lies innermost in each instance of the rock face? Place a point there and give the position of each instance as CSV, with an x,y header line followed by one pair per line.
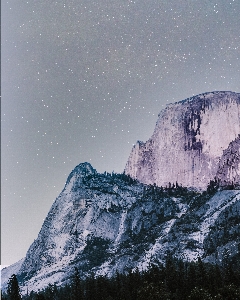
x,y
103,223
229,166
188,142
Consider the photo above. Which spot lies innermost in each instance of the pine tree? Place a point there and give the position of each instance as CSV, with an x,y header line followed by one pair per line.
x,y
201,279
13,290
76,287
199,294
3,296
90,288
170,273
191,276
40,297
101,288
181,279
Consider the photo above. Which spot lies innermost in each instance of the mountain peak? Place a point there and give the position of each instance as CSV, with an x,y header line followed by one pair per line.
x,y
82,170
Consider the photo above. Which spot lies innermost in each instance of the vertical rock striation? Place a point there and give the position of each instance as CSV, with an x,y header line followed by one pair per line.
x,y
188,141
228,172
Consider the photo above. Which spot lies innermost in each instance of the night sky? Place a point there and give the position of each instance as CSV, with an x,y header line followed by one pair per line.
x,y
84,80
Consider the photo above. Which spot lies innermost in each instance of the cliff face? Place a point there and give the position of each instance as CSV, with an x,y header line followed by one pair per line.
x,y
229,166
188,141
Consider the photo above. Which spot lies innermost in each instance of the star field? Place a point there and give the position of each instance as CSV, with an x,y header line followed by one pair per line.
x,y
83,80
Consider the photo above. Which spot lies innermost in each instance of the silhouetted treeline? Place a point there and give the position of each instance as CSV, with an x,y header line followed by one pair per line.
x,y
112,176
176,280
192,196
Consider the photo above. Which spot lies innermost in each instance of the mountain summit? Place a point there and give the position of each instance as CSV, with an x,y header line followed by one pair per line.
x,y
189,141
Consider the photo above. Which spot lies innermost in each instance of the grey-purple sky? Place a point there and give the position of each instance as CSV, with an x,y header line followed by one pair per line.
x,y
83,80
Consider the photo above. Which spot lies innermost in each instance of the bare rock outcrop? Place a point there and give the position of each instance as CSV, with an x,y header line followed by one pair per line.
x,y
188,142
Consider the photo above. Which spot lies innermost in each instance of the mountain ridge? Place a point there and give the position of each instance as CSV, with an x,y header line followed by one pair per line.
x,y
126,225
108,223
